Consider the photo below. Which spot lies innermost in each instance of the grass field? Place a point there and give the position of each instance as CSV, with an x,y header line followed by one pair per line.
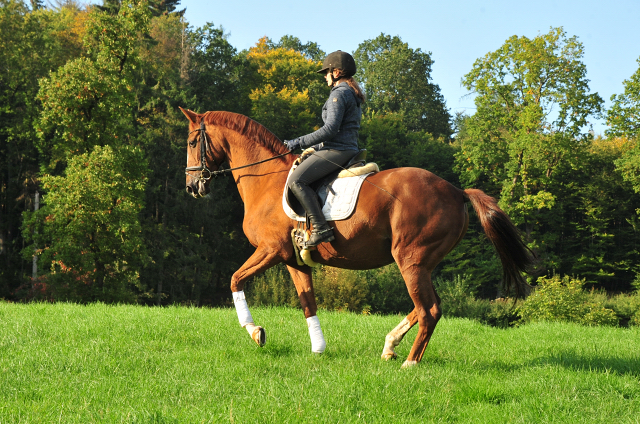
x,y
68,363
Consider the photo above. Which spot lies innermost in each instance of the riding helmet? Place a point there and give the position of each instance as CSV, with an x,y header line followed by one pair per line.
x,y
340,60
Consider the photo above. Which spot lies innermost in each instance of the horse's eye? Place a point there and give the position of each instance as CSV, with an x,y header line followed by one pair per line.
x,y
193,142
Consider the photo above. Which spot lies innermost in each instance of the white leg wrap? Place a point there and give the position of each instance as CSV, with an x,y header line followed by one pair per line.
x,y
244,316
315,332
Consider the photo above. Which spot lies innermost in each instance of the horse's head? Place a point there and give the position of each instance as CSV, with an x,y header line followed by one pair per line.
x,y
201,162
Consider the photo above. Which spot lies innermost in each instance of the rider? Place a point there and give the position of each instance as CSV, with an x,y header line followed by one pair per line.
x,y
335,143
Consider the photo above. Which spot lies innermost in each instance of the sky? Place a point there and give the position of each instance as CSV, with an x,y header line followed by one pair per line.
x,y
456,33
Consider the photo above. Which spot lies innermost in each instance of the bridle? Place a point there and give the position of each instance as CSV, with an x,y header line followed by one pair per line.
x,y
206,173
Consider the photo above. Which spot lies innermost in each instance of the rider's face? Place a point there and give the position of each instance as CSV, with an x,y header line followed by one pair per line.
x,y
327,77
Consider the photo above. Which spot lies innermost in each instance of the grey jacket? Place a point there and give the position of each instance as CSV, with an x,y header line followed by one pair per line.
x,y
341,115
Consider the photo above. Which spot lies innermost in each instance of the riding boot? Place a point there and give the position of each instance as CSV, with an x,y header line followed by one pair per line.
x,y
321,232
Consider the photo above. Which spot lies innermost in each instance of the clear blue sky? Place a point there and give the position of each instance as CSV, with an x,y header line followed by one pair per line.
x,y
455,32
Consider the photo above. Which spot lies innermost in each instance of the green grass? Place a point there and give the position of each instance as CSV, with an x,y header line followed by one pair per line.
x,y
69,363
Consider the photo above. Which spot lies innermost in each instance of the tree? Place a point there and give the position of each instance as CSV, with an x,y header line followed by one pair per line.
x,y
89,101
286,92
391,145
309,50
397,78
528,135
624,116
91,230
33,42
212,71
624,120
156,7
88,231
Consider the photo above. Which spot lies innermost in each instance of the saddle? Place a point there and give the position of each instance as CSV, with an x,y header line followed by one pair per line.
x,y
337,193
329,190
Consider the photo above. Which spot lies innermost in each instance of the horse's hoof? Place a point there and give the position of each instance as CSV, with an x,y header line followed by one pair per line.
x,y
259,336
389,356
409,364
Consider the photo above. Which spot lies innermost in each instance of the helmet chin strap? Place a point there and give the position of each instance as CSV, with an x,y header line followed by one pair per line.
x,y
334,80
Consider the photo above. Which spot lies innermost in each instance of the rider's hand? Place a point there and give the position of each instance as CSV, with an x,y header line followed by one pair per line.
x,y
292,144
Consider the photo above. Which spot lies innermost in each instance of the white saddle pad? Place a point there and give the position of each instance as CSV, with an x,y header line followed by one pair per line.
x,y
342,195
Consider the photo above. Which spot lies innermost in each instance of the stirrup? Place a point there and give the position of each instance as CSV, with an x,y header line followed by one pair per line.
x,y
317,237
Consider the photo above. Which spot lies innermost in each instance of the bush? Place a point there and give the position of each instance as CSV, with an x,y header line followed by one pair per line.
x,y
341,289
501,313
387,290
274,288
626,307
562,299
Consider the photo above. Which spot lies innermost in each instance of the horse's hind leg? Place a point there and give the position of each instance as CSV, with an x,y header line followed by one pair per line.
x,y
396,335
427,309
304,286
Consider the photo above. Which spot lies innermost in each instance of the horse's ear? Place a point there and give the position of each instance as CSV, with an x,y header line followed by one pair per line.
x,y
191,115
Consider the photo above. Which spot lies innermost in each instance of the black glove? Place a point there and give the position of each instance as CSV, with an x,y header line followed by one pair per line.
x,y
292,144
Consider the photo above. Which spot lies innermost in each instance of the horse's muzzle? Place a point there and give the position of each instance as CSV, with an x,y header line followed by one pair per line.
x,y
198,188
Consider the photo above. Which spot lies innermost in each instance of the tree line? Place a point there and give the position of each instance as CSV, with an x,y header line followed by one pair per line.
x,y
90,121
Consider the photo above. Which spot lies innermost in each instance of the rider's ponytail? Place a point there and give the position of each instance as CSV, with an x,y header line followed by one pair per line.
x,y
356,88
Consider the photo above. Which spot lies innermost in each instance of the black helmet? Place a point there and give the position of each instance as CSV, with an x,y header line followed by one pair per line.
x,y
340,60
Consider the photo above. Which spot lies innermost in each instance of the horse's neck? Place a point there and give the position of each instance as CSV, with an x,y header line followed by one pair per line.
x,y
255,181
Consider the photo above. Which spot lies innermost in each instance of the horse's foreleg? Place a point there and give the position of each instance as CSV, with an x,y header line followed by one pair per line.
x,y
304,286
261,260
396,335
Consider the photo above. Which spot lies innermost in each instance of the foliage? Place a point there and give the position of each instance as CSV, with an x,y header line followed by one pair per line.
x,y
387,291
88,101
32,43
341,290
287,93
88,230
562,299
273,288
527,141
390,144
456,294
623,117
213,70
397,79
309,50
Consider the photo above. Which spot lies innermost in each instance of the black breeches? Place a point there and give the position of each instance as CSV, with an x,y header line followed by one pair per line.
x,y
320,164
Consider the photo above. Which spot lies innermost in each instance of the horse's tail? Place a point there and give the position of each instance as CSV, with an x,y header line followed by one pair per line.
x,y
515,256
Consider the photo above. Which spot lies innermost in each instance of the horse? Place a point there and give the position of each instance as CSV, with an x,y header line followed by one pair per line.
x,y
408,216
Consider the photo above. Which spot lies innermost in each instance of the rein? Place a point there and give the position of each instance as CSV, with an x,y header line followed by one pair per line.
x,y
206,173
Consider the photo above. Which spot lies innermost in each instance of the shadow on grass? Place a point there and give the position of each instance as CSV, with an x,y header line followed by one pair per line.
x,y
567,359
277,350
575,361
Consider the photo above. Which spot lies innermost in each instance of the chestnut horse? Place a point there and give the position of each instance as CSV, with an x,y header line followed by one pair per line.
x,y
406,215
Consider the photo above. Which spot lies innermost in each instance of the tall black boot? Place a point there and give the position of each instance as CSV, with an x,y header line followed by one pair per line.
x,y
321,232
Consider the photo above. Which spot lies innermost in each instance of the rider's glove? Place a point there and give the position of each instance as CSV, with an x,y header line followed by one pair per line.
x,y
292,144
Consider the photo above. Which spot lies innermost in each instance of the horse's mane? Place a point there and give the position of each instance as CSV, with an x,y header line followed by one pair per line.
x,y
247,127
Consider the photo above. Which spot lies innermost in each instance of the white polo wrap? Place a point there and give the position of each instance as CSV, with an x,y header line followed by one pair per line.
x,y
315,333
244,316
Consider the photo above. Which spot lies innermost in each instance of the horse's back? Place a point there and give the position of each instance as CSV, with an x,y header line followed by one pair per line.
x,y
397,207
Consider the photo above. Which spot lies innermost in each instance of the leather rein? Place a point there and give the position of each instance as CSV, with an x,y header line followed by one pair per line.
x,y
206,173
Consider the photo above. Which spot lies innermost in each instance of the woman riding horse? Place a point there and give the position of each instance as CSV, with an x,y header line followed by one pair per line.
x,y
334,144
